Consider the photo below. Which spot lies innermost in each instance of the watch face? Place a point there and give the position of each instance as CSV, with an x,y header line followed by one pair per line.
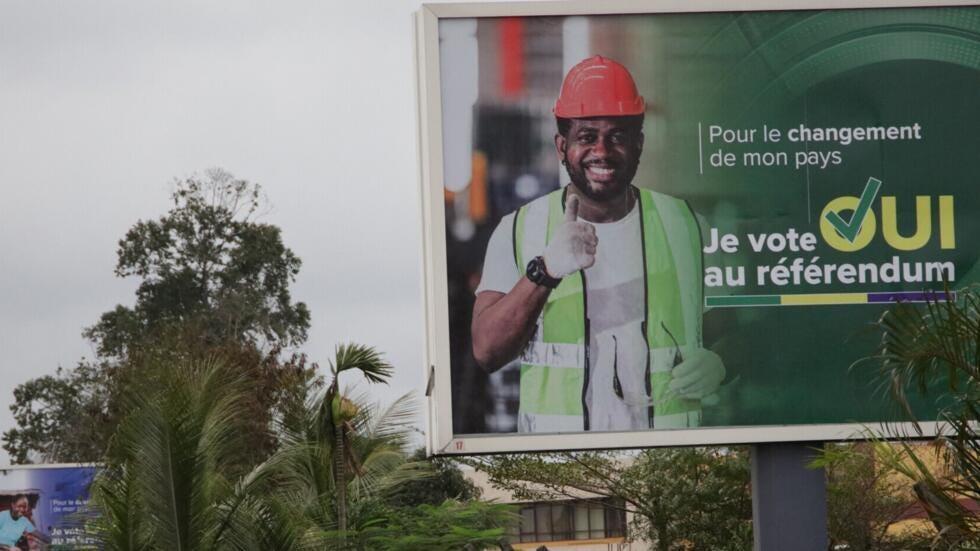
x,y
534,271
537,273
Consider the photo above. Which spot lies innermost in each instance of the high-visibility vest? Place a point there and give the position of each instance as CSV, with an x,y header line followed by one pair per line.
x,y
555,363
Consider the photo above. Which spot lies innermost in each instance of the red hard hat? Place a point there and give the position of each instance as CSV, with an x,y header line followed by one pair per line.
x,y
598,87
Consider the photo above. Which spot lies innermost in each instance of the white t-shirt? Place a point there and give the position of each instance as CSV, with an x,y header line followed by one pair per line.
x,y
614,289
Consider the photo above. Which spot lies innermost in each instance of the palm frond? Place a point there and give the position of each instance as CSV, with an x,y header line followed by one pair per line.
x,y
366,359
922,347
174,480
923,344
396,421
117,521
178,447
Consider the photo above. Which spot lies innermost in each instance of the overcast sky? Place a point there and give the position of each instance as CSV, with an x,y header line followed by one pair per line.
x,y
103,104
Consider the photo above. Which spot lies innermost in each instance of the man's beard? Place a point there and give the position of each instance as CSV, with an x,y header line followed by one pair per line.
x,y
604,193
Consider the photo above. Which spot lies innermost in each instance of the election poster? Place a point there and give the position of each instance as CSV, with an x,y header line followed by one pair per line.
x,y
43,507
679,228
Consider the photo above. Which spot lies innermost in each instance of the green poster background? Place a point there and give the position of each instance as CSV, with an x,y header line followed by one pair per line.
x,y
857,68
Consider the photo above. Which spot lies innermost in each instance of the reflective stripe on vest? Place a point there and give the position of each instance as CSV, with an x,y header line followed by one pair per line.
x,y
555,363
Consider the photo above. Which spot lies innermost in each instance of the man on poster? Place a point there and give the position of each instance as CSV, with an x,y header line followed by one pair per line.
x,y
597,287
14,524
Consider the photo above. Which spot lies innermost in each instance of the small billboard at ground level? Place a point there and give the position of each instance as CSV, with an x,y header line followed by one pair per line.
x,y
43,507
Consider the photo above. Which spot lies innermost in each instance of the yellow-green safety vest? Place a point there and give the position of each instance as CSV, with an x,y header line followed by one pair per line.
x,y
555,363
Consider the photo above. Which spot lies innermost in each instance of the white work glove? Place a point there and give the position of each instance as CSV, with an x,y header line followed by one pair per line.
x,y
572,248
698,377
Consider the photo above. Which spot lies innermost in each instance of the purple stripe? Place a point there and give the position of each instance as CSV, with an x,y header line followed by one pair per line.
x,y
910,296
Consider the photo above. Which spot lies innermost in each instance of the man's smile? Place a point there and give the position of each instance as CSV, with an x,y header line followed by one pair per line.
x,y
600,172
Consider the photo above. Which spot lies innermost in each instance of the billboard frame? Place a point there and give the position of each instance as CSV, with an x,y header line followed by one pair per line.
x,y
440,439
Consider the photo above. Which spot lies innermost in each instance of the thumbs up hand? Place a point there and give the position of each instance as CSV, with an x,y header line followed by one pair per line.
x,y
572,247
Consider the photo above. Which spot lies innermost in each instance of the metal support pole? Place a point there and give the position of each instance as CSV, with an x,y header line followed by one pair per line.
x,y
789,501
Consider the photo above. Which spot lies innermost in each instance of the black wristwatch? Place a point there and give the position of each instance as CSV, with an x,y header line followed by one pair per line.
x,y
537,273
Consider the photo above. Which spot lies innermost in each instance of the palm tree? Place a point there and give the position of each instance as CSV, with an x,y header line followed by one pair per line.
x,y
169,477
175,478
920,347
344,450
338,414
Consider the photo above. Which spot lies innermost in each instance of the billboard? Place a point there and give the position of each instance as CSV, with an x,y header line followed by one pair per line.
x,y
42,507
675,225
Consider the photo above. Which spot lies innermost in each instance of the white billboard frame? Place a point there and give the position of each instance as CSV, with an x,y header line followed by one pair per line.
x,y
440,439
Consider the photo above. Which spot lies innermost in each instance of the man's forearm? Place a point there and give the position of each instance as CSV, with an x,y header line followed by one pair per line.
x,y
503,323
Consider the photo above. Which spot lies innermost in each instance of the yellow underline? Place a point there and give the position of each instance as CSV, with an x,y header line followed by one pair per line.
x,y
825,298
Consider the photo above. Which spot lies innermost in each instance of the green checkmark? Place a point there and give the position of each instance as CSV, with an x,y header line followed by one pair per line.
x,y
850,230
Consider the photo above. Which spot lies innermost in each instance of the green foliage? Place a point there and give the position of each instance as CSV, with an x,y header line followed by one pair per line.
x,y
920,346
865,497
174,479
445,482
939,341
56,414
336,421
167,483
448,526
364,359
683,498
213,282
210,264
695,498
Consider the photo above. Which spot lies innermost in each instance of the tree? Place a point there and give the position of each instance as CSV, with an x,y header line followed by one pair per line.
x,y
866,496
682,498
213,281
207,263
168,482
920,347
56,415
173,480
446,483
343,467
450,525
338,415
